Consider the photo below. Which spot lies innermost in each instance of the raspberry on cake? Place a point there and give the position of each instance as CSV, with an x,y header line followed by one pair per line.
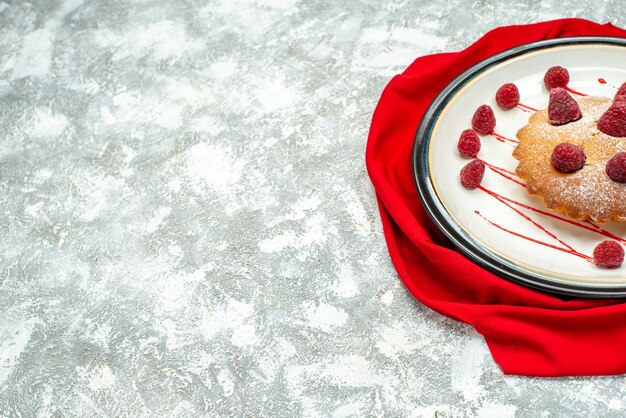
x,y
613,121
616,167
568,157
562,107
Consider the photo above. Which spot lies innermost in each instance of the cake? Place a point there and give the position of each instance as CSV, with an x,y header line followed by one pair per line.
x,y
584,194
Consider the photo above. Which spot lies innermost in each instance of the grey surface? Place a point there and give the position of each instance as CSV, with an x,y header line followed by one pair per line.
x,y
188,228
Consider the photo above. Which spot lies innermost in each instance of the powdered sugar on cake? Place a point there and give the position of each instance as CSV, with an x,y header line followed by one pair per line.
x,y
587,193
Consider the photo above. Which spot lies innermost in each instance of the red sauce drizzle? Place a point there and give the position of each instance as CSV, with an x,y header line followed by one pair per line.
x,y
587,225
603,81
536,241
575,92
502,138
565,247
526,108
523,215
507,174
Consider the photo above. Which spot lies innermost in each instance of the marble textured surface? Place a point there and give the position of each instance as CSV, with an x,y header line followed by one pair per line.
x,y
188,228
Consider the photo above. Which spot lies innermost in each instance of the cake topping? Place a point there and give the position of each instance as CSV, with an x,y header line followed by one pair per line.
x,y
613,121
562,108
567,158
616,167
608,254
469,144
484,120
507,96
556,77
472,174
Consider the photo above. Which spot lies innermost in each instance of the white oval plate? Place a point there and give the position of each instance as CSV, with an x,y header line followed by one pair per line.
x,y
490,232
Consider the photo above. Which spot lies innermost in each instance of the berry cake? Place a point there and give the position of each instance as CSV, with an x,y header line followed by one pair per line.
x,y
571,159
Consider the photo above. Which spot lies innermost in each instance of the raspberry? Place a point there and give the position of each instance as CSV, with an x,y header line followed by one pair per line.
x,y
616,167
562,107
556,77
484,120
613,121
472,174
568,157
507,96
469,144
608,254
619,100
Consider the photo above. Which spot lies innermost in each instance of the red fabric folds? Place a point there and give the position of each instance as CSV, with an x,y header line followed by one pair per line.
x,y
528,332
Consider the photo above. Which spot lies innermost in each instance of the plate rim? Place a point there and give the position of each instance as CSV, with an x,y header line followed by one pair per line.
x,y
436,211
